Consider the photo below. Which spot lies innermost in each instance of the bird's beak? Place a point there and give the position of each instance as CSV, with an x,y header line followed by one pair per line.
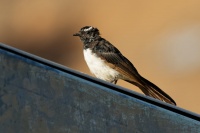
x,y
76,34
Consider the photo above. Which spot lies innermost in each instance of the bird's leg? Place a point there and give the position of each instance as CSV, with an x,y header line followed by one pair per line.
x,y
114,81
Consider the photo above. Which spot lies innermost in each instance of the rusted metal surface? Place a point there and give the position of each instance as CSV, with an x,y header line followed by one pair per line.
x,y
38,96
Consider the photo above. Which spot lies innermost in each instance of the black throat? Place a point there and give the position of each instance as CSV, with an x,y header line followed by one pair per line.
x,y
91,42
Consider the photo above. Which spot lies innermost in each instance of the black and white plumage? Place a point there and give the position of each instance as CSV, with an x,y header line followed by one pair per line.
x,y
106,62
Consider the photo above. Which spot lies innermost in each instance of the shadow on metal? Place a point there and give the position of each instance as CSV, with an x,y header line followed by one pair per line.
x,y
37,95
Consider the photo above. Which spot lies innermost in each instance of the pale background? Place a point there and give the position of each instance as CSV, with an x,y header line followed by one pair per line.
x,y
161,38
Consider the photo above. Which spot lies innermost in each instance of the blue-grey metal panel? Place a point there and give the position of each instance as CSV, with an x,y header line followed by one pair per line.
x,y
39,96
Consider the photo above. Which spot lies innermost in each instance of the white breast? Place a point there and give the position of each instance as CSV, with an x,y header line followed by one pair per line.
x,y
98,67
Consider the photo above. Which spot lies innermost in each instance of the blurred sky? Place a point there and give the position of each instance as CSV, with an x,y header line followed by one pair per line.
x,y
161,38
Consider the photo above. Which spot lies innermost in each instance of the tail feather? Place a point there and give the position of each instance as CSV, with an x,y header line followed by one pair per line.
x,y
152,90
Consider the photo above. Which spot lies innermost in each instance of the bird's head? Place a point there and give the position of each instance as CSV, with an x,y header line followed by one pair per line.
x,y
88,34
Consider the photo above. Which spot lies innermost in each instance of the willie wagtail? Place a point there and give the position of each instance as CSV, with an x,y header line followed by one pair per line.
x,y
106,62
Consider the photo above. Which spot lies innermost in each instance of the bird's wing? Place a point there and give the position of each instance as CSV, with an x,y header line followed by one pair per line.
x,y
116,60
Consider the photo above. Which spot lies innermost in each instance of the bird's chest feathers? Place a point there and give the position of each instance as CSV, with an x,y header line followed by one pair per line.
x,y
99,67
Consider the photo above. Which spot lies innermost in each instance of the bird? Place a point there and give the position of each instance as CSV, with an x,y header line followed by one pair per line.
x,y
106,62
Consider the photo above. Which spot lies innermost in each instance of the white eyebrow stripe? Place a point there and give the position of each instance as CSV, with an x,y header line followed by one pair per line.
x,y
88,29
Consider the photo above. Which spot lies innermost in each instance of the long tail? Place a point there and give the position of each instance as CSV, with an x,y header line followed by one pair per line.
x,y
152,90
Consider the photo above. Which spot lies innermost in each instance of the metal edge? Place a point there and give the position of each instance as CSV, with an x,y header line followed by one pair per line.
x,y
120,89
